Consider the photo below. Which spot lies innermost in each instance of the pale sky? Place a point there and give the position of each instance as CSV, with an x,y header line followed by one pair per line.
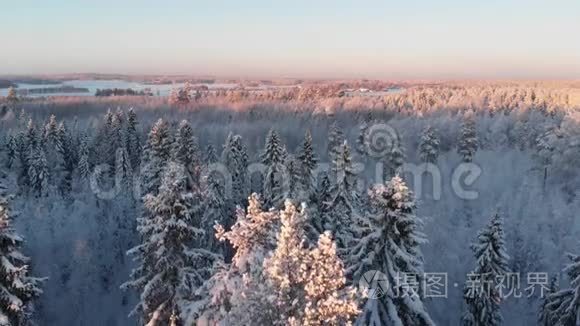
x,y
298,38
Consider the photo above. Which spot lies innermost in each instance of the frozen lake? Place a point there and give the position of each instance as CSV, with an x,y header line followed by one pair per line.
x,y
158,89
93,85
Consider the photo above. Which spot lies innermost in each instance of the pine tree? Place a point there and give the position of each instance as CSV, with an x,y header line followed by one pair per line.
x,y
294,285
546,316
294,176
182,95
361,141
429,145
215,210
67,157
155,157
11,151
31,138
324,201
309,285
343,205
28,141
467,143
83,167
186,152
335,140
521,135
116,138
119,116
273,149
37,173
53,148
308,163
275,188
563,308
328,300
123,170
481,294
211,156
170,269
133,140
283,267
236,290
18,286
361,145
50,131
12,97
103,149
235,158
389,240
545,149
394,159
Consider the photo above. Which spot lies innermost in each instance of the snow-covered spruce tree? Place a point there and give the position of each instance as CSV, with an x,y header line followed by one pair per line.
x,y
388,240
308,163
18,287
120,116
238,293
101,149
429,145
210,156
521,135
38,173
394,159
467,144
155,157
181,96
563,308
215,209
12,97
294,177
323,205
169,269
361,146
51,143
116,137
123,171
11,151
133,139
328,300
546,144
284,269
68,157
309,285
481,293
29,141
50,130
335,140
295,285
186,152
83,168
343,205
275,188
546,315
235,158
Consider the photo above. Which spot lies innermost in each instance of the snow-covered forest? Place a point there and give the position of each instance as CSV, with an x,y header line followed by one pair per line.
x,y
270,208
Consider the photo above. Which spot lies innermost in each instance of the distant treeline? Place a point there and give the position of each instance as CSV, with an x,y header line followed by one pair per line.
x,y
6,84
53,90
122,92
